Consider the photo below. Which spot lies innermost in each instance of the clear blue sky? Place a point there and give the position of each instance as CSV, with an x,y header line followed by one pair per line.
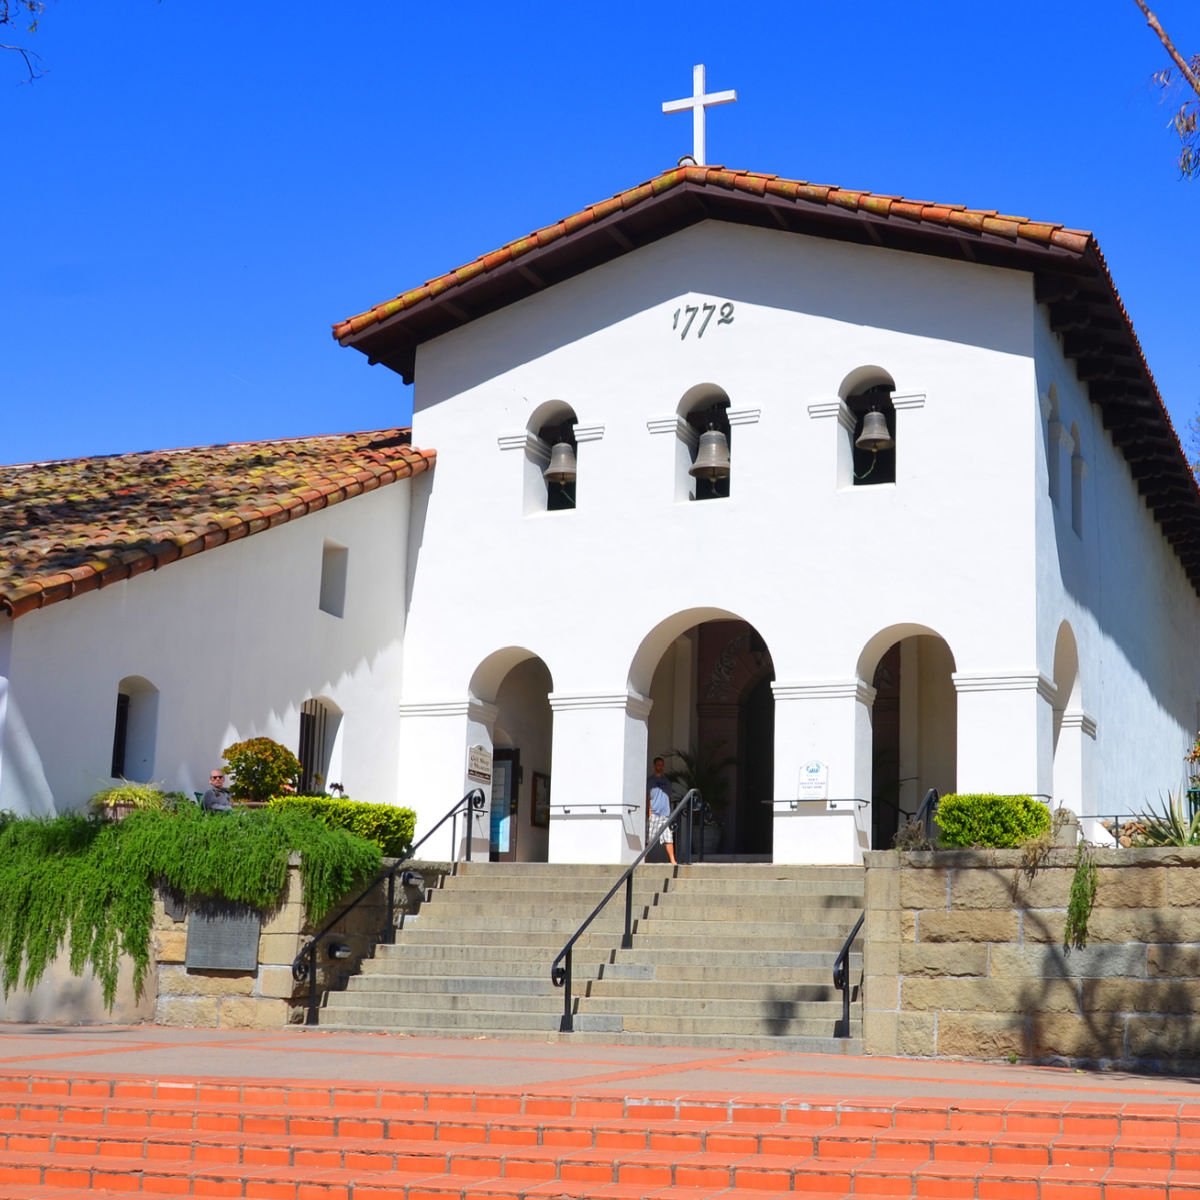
x,y
195,193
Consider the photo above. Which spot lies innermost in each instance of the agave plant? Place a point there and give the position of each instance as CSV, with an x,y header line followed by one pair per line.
x,y
1170,827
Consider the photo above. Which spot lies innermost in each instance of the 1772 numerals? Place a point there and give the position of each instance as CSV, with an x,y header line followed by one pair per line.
x,y
684,321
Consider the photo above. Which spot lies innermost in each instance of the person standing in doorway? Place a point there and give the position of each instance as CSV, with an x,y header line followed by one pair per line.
x,y
658,794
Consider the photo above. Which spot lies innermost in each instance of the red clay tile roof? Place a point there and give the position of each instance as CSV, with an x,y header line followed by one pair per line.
x,y
955,217
72,526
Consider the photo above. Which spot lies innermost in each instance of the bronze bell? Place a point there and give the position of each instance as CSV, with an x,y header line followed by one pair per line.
x,y
712,458
874,436
562,468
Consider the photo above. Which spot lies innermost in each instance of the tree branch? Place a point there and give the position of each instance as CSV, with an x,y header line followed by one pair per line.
x,y
1181,62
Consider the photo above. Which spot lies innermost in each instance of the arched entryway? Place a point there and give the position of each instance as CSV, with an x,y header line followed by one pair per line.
x,y
914,724
510,690
708,675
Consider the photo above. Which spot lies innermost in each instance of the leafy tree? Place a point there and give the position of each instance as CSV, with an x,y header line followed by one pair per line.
x,y
1187,119
21,14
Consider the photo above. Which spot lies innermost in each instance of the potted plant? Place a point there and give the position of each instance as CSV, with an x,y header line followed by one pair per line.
x,y
706,772
117,802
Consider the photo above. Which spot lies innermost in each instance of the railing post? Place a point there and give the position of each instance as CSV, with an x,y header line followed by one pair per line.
x,y
567,1024
388,934
627,937
311,1019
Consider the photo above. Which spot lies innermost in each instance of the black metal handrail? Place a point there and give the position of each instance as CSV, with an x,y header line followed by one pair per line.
x,y
304,965
841,977
925,814
560,969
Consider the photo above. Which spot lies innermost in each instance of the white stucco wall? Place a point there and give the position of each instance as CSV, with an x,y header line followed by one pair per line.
x,y
234,641
819,570
1134,614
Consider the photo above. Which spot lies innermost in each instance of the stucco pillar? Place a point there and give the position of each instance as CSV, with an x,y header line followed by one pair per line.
x,y
1005,733
598,777
436,738
827,723
1072,760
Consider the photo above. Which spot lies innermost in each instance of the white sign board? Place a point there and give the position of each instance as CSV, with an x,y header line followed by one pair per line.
x,y
479,765
814,781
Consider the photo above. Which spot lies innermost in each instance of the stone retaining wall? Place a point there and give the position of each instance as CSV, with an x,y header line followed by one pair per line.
x,y
964,957
266,998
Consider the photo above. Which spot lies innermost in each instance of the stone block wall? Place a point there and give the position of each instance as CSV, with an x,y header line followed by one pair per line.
x,y
964,957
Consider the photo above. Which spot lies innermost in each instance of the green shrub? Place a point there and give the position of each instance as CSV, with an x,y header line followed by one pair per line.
x,y
389,827
981,819
261,768
88,885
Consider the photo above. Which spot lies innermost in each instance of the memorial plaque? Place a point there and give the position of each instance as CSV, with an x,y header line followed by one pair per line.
x,y
223,937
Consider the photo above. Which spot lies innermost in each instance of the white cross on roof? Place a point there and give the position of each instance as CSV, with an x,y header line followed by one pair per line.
x,y
698,102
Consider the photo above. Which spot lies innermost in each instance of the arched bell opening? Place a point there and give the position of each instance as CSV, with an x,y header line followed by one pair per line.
x,y
867,394
704,463
551,452
914,724
712,718
511,691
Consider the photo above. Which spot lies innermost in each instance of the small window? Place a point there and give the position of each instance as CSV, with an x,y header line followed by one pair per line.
x,y
320,746
874,414
334,560
135,730
1078,473
1054,432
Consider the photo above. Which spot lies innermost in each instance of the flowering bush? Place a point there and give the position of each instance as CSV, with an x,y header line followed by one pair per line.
x,y
261,768
1192,758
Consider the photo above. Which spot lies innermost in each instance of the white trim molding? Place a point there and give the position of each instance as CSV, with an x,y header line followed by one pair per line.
x,y
632,703
534,446
1080,720
1005,681
743,416
588,433
825,408
677,425
830,689
902,400
476,710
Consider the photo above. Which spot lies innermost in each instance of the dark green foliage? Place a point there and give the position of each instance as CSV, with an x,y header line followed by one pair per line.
x,y
261,768
980,819
88,884
389,827
1080,899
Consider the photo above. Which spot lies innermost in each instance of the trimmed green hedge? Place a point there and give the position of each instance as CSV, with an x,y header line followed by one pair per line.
x,y
389,827
981,819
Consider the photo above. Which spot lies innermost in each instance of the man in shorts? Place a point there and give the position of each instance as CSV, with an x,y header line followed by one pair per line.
x,y
658,793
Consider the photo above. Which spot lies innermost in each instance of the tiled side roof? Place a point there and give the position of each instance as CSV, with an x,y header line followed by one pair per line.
x,y
948,216
72,526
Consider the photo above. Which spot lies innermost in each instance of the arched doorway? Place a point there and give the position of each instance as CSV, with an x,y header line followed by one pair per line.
x,y
914,724
512,689
712,718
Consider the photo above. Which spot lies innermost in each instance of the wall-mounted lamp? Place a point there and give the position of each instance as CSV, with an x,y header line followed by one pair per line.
x,y
338,950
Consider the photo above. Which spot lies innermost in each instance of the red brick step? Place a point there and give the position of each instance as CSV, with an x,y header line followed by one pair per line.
x,y
67,1137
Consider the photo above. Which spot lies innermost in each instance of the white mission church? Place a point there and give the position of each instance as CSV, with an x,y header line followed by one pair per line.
x,y
655,523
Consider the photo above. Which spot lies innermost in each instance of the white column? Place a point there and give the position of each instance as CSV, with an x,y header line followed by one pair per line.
x,y
827,722
1005,733
435,740
598,777
1072,757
